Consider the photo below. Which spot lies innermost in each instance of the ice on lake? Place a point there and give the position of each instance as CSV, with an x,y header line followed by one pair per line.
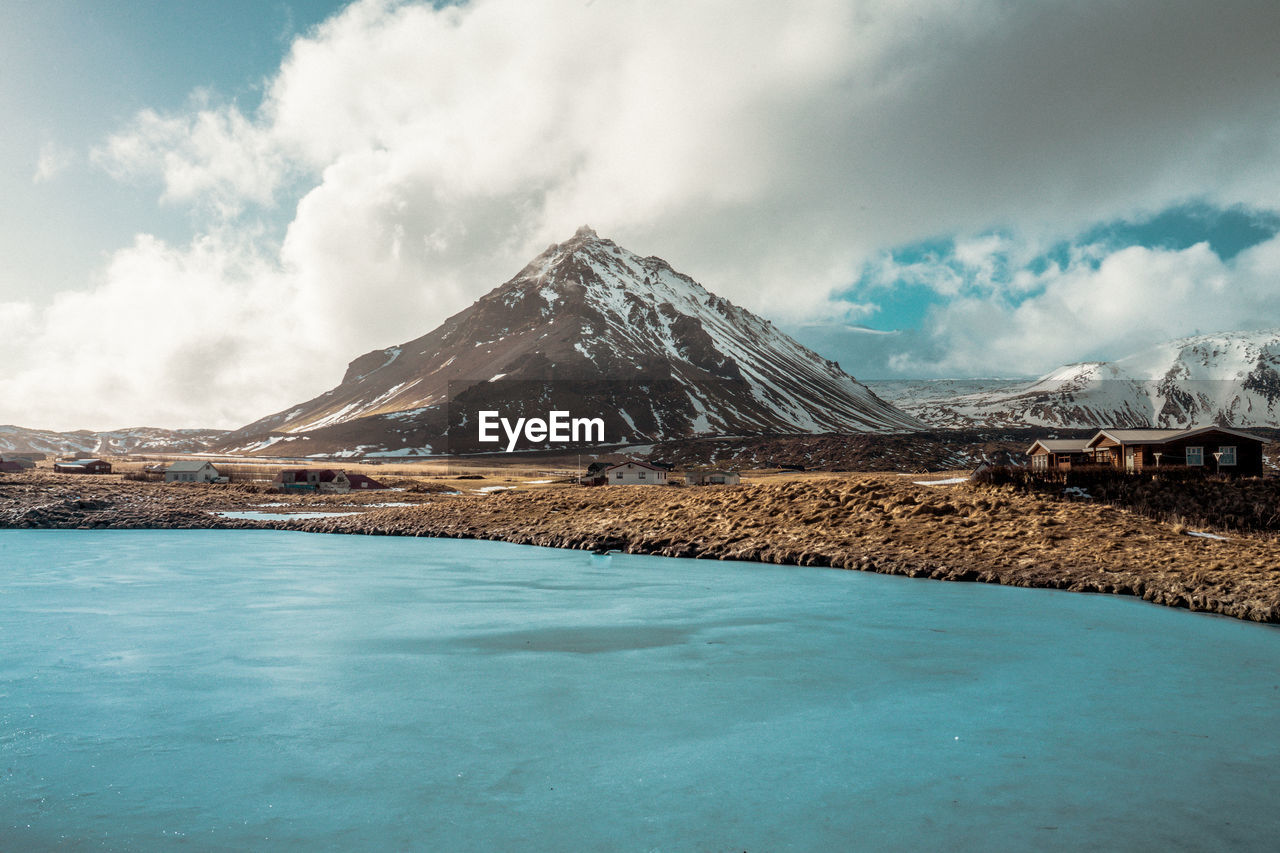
x,y
274,690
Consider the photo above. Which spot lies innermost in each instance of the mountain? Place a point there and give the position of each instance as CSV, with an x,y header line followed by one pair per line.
x,y
117,442
1228,378
598,330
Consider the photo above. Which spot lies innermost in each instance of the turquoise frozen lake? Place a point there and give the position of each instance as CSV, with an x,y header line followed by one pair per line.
x,y
270,690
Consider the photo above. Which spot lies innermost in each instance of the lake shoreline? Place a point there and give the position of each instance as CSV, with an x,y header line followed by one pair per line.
x,y
880,523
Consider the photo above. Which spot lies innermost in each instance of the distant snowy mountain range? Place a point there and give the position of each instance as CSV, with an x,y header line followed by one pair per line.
x,y
1228,378
594,329
600,331
85,443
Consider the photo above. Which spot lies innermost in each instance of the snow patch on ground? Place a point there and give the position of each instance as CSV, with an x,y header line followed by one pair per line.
x,y
637,449
281,516
425,450
951,481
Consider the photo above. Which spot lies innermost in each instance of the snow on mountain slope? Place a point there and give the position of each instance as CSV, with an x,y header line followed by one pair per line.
x,y
681,362
15,439
1228,378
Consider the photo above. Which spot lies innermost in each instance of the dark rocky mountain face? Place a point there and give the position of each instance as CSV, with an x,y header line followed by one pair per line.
x,y
593,329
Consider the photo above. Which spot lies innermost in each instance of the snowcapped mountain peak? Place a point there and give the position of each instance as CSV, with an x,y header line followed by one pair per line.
x,y
590,310
1228,378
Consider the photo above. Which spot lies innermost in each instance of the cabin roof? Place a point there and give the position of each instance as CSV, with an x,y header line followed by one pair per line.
x,y
1163,436
188,466
1060,445
637,463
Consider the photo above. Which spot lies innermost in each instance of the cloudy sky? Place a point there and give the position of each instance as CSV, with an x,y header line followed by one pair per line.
x,y
211,208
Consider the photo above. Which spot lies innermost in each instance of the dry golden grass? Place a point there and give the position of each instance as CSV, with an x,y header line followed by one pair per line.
x,y
879,522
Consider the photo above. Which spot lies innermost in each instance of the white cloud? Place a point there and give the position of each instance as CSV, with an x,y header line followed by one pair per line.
x,y
1132,298
416,157
168,336
54,159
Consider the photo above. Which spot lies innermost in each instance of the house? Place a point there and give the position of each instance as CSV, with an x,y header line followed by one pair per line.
x,y
11,467
1059,454
15,465
359,482
313,480
633,473
1211,449
594,475
194,471
712,477
82,466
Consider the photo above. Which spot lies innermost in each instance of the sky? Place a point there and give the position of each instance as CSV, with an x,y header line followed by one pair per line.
x,y
209,209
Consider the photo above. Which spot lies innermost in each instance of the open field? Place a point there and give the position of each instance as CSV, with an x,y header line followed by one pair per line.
x,y
921,526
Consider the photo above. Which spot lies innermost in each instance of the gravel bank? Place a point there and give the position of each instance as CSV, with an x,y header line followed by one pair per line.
x,y
881,523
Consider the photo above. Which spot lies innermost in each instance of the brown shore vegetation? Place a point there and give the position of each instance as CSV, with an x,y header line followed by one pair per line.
x,y
996,533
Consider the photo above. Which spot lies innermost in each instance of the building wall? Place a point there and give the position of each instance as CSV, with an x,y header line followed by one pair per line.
x,y
636,475
712,478
1174,453
206,474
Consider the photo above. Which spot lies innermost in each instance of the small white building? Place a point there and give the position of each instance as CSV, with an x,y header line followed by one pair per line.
x,y
712,477
633,473
191,472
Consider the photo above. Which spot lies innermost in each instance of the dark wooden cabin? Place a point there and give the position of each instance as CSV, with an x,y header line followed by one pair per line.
x,y
82,466
1214,450
1059,454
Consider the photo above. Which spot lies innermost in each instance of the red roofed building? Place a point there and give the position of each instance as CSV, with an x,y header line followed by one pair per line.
x,y
324,480
359,482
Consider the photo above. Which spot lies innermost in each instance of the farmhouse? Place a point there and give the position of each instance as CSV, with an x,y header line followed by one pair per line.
x,y
595,474
194,471
10,467
1059,454
15,465
1210,449
712,477
313,480
82,466
633,473
324,480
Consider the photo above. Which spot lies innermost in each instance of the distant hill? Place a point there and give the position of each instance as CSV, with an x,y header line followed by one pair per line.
x,y
14,439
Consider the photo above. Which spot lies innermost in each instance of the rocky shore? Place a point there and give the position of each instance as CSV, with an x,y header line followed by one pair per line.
x,y
871,522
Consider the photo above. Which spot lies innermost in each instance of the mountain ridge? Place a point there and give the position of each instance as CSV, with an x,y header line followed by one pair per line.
x,y
585,311
1223,378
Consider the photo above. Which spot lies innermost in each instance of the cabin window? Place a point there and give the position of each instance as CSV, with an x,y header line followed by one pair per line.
x,y
619,475
1228,456
641,473
1195,456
